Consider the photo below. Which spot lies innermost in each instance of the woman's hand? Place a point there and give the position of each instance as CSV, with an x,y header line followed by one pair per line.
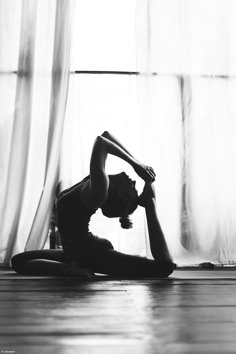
x,y
145,172
147,194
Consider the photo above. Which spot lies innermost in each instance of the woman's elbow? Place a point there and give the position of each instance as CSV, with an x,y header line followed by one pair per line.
x,y
106,134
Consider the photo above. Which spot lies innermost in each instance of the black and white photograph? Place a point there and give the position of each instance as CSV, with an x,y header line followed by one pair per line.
x,y
118,176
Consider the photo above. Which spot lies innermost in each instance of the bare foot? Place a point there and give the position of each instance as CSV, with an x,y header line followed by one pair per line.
x,y
75,270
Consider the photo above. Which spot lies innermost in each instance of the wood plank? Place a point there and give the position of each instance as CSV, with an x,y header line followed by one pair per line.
x,y
188,313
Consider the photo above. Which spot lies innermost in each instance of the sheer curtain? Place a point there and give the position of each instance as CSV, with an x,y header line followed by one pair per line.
x,y
98,102
178,115
34,73
187,56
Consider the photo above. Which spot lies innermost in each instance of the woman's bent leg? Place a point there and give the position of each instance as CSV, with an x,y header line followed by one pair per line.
x,y
45,267
29,262
123,265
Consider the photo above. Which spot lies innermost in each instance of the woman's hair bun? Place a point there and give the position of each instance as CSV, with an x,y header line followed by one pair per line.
x,y
125,222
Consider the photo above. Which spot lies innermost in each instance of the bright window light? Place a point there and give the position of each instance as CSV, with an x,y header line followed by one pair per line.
x,y
104,35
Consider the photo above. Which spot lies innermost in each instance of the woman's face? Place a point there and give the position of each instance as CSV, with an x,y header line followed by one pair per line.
x,y
125,184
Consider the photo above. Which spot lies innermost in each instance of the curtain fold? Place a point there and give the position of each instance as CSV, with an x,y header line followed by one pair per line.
x,y
20,135
30,147
59,90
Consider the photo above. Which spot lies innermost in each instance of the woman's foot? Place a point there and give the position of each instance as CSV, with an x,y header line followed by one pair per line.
x,y
75,270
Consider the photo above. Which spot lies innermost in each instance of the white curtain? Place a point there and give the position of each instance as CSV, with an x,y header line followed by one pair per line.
x,y
34,74
179,116
187,56
98,102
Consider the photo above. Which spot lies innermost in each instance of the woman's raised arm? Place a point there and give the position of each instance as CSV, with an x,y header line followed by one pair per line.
x,y
145,172
111,137
95,193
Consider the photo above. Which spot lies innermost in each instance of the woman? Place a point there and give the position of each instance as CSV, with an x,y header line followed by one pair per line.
x,y
83,253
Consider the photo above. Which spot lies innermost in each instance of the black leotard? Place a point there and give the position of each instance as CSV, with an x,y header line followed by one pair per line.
x,y
73,219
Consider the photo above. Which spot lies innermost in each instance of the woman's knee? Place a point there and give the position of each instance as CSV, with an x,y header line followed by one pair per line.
x,y
17,263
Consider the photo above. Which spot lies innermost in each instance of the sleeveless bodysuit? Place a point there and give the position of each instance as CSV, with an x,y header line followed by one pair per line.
x,y
73,219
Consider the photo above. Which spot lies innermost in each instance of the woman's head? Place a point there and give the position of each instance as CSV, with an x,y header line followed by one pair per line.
x,y
122,198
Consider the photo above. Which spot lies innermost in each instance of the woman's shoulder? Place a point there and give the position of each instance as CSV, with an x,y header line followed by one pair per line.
x,y
75,186
72,190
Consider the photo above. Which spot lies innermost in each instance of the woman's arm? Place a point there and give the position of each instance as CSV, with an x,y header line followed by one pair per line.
x,y
95,192
159,248
110,137
139,168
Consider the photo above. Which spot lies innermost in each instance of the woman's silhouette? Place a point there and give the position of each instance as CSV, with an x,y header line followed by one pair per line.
x,y
83,253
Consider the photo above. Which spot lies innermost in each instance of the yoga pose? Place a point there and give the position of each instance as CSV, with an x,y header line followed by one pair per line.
x,y
83,253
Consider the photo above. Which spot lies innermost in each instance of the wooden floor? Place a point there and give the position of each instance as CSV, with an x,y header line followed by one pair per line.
x,y
191,312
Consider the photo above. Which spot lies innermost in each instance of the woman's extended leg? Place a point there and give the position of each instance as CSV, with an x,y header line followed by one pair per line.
x,y
122,265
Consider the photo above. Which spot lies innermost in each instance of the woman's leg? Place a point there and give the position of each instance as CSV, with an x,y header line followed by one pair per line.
x,y
123,265
40,262
48,263
45,267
